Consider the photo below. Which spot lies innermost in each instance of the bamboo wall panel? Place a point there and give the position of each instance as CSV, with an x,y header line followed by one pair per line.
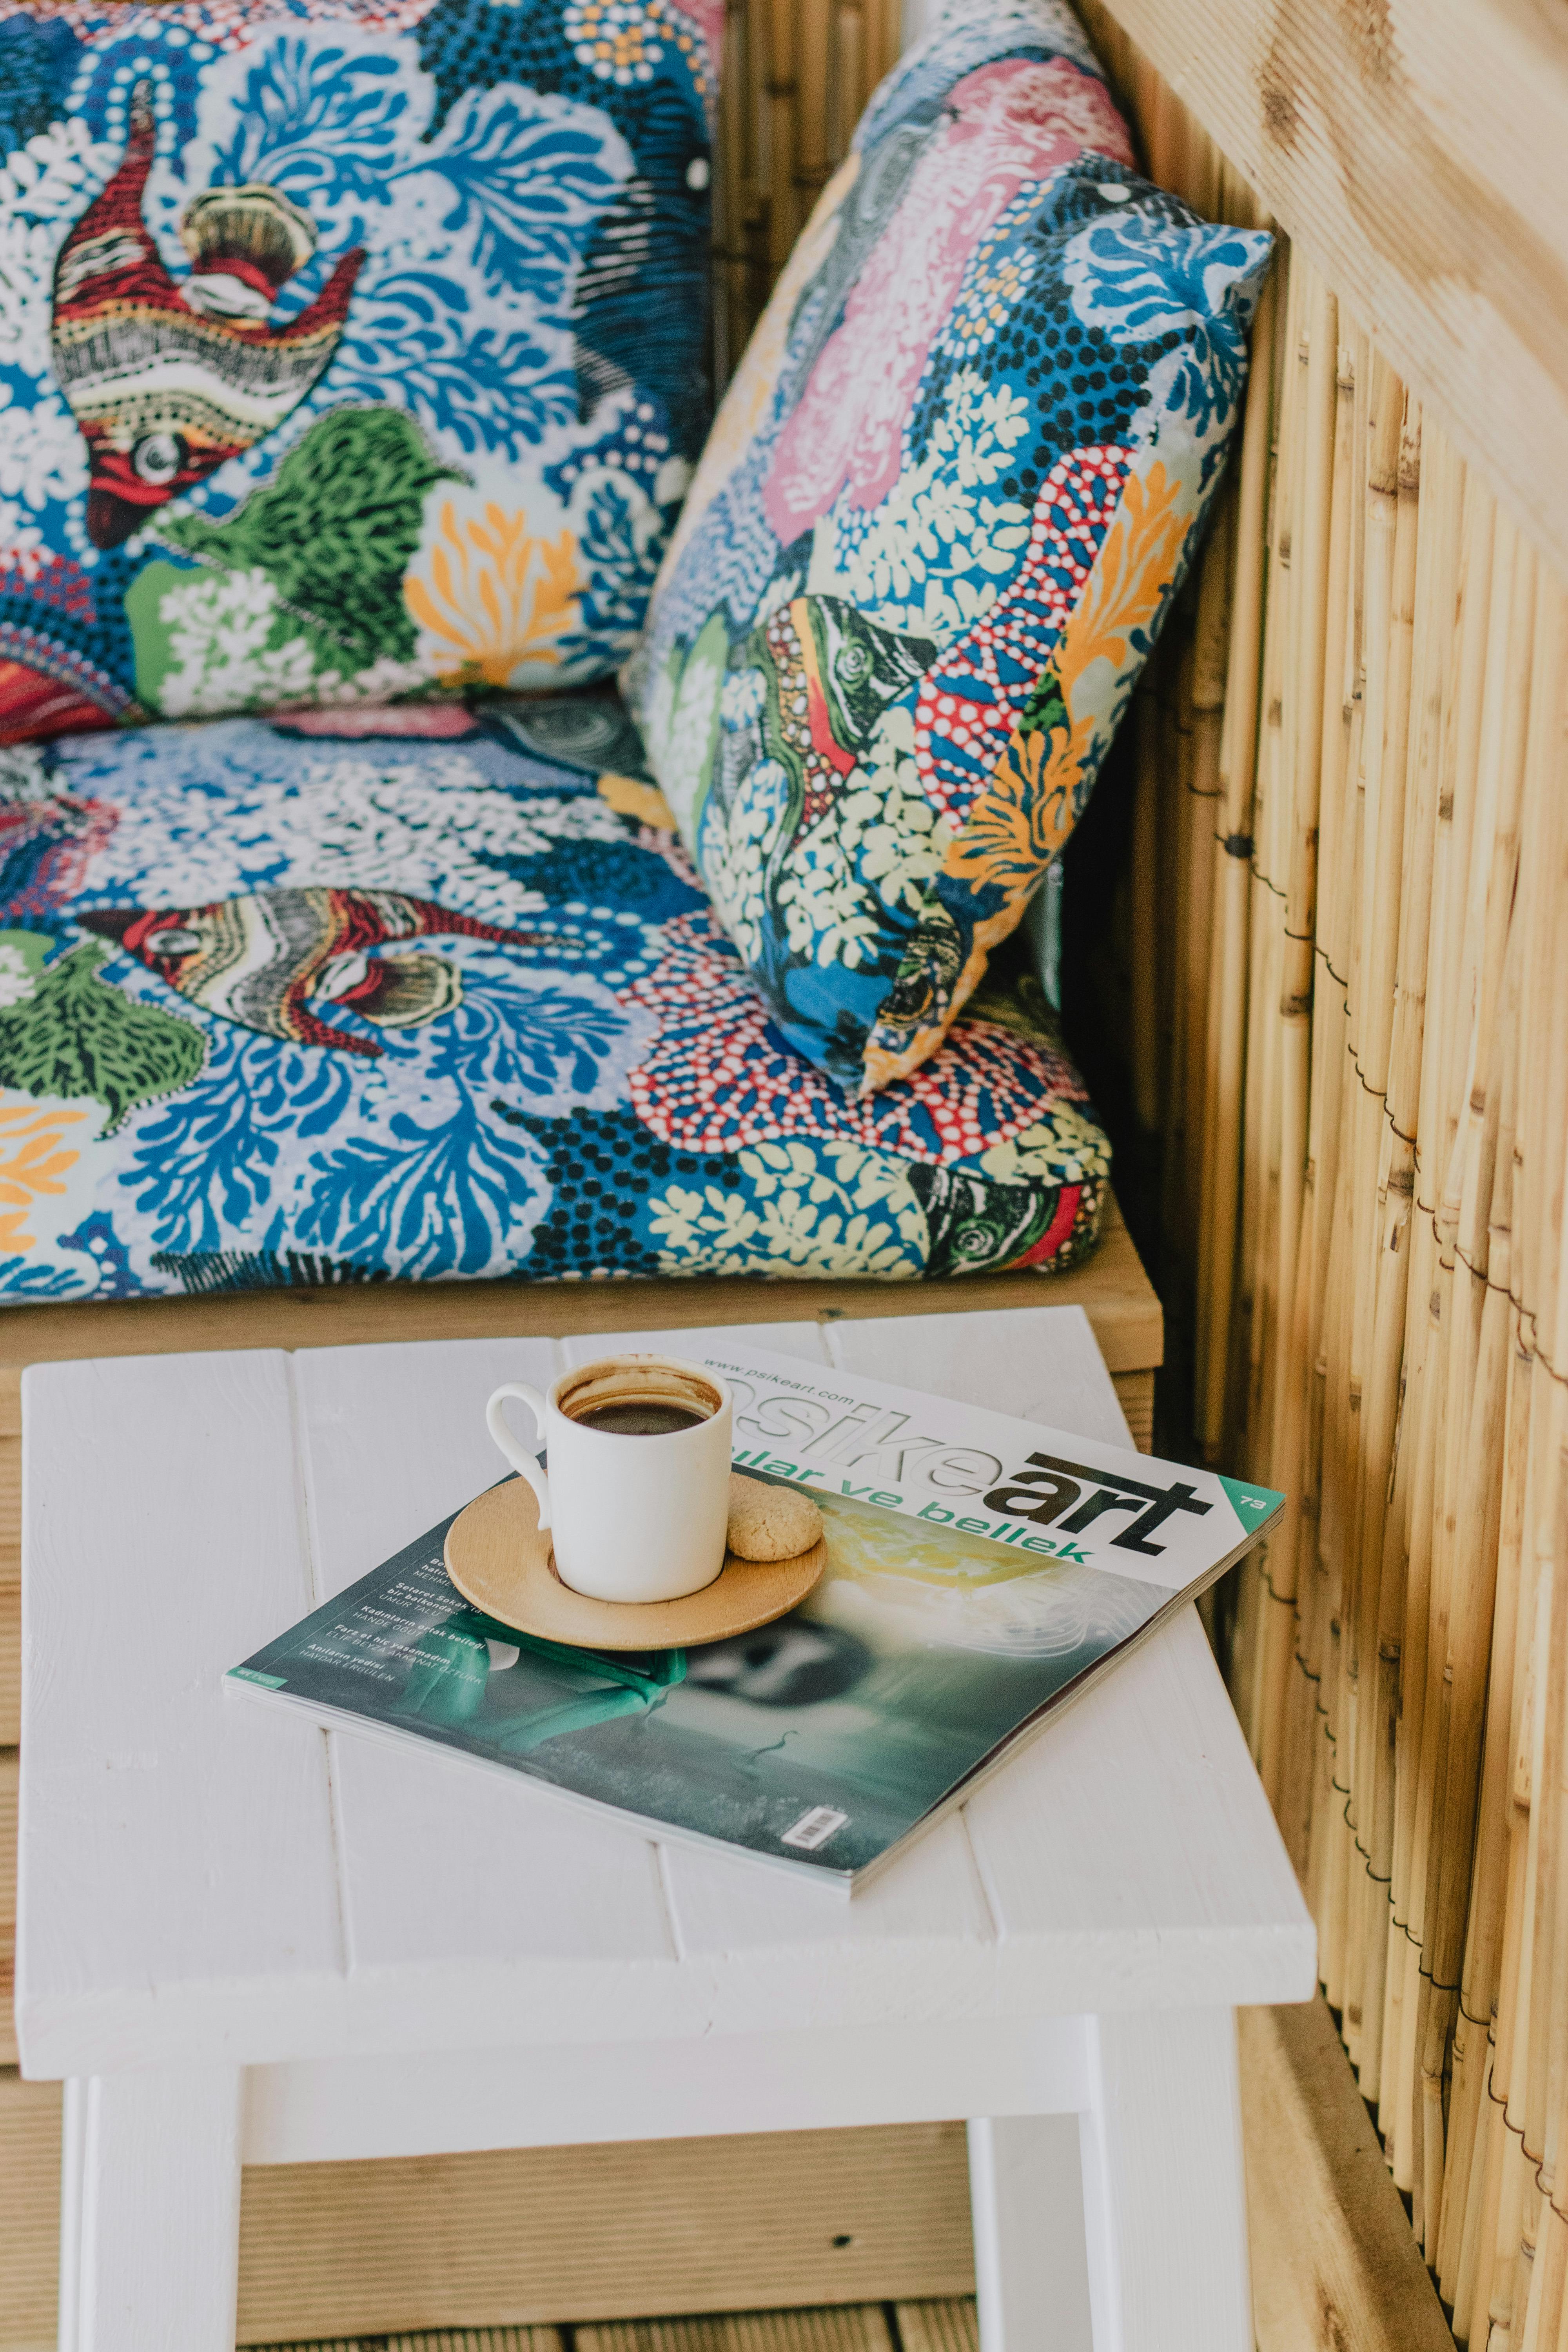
x,y
1361,1087
796,77
1415,150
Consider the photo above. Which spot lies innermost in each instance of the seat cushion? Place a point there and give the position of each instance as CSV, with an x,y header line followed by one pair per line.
x,y
346,350
935,530
415,993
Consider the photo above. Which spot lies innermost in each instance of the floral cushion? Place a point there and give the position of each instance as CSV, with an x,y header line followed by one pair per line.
x,y
347,347
936,527
415,993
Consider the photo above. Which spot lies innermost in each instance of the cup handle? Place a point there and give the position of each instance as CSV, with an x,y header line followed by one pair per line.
x,y
525,1463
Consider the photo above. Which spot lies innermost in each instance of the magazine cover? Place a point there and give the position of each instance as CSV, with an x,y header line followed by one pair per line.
x,y
980,1572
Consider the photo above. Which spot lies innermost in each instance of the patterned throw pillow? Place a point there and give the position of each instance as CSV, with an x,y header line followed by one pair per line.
x,y
348,348
943,512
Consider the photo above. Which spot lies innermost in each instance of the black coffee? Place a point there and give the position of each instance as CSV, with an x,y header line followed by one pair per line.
x,y
638,1417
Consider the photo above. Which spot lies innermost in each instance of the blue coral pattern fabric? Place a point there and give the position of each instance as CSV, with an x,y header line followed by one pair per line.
x,y
349,349
939,521
421,993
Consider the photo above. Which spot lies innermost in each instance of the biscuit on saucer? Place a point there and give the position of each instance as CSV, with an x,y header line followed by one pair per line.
x,y
770,1522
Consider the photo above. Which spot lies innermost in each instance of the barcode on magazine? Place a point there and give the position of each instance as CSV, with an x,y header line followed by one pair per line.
x,y
814,1829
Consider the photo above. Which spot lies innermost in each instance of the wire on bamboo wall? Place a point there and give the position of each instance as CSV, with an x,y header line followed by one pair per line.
x,y
1362,1085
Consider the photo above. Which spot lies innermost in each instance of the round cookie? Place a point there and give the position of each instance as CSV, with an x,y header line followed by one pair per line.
x,y
770,1522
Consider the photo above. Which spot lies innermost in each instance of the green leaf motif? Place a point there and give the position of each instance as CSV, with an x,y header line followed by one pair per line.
x,y
77,1036
335,530
1045,712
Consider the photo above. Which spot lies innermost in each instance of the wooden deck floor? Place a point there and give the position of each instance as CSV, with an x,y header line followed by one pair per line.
x,y
944,2327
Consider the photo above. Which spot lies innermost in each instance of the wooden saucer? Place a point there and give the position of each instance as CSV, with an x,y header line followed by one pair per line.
x,y
499,1561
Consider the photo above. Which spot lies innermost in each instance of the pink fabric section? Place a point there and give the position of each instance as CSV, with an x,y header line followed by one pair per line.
x,y
707,15
1011,123
423,720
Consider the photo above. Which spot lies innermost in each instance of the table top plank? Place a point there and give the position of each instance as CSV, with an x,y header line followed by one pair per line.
x,y
455,1861
164,1837
1168,1821
721,1903
1043,1367
931,1898
802,1340
445,1863
395,1441
1165,1831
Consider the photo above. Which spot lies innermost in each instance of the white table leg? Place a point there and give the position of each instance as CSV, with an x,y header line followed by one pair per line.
x,y
73,2150
150,2205
1031,2268
1164,2199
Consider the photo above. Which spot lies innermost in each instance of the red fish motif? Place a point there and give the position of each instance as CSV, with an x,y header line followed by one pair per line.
x,y
258,960
166,380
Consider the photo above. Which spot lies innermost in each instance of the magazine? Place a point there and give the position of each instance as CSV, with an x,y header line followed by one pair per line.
x,y
982,1571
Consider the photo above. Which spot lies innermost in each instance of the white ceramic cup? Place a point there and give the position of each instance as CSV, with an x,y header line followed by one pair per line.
x,y
631,1518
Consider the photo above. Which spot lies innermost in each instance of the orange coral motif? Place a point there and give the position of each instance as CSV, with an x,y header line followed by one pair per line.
x,y
1019,822
1135,565
1016,825
495,597
34,1163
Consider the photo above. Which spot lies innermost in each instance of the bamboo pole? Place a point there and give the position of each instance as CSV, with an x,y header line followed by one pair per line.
x,y
1226,1028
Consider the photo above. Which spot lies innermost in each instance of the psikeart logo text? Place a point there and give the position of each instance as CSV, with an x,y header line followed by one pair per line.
x,y
872,1452
1071,1498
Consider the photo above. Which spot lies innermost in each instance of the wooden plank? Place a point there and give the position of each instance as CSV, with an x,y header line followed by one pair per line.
x,y
10,1771
1168,1823
1047,1368
1334,2259
721,1906
1112,1289
485,2244
10,1665
395,1439
491,2242
862,2330
1047,1363
1413,150
1135,1395
172,1836
605,2233
29,2211
951,2325
561,1888
458,2339
391,1439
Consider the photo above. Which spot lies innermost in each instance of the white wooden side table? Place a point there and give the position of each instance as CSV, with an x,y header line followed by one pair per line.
x,y
245,1940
